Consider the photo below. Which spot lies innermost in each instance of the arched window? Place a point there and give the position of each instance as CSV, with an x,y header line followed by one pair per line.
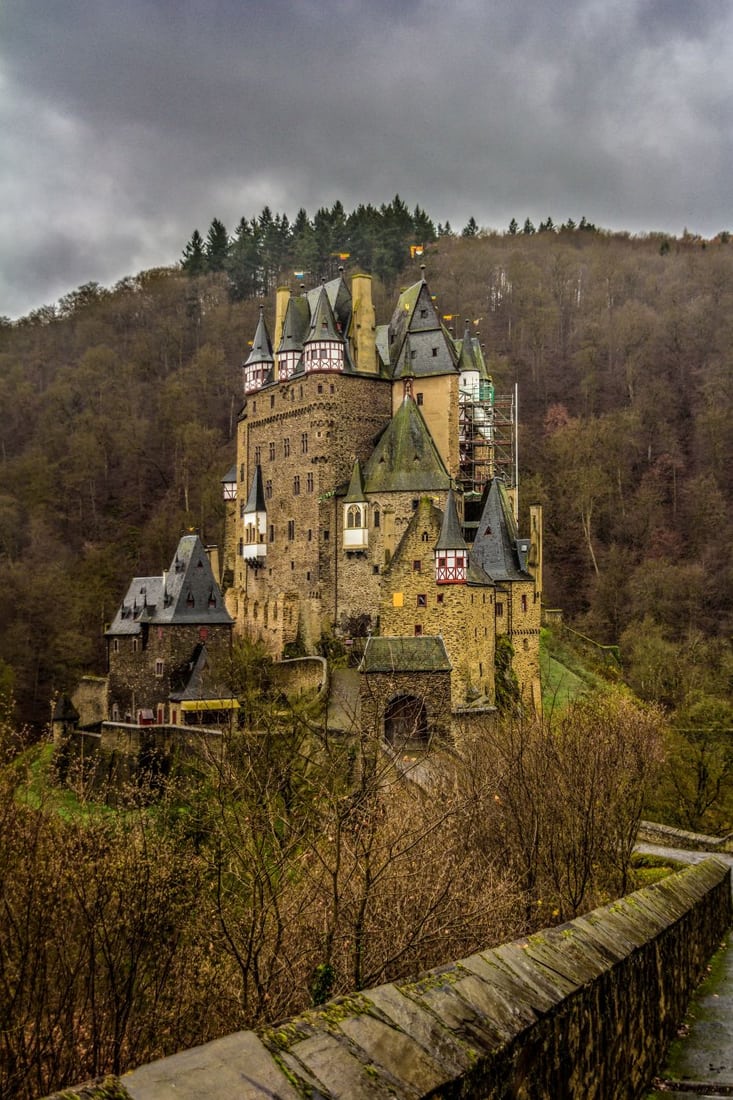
x,y
376,517
353,516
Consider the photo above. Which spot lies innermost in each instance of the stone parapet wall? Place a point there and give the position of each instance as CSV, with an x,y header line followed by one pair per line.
x,y
667,835
300,676
585,1010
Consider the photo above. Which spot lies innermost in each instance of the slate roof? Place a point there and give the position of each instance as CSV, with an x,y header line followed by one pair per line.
x,y
295,324
323,323
187,593
405,457
451,536
256,496
230,477
339,299
423,654
261,345
355,491
495,547
419,346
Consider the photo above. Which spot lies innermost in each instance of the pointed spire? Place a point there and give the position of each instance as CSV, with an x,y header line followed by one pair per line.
x,y
323,323
467,358
261,345
451,536
256,498
260,365
355,492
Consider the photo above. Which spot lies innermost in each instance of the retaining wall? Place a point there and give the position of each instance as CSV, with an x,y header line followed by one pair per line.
x,y
585,1010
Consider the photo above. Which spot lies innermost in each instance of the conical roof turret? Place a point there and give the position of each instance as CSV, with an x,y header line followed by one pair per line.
x,y
261,345
451,536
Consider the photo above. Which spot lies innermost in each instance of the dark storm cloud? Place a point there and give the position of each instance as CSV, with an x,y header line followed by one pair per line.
x,y
126,125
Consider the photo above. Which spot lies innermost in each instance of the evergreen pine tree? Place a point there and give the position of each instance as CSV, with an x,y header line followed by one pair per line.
x,y
217,246
193,261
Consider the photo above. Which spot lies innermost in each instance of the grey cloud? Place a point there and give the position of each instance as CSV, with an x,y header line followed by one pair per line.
x,y
126,125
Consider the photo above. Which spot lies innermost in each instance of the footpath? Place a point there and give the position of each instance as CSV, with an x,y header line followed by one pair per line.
x,y
700,1060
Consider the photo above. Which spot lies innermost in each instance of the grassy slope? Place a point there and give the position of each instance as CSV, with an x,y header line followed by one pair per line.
x,y
565,672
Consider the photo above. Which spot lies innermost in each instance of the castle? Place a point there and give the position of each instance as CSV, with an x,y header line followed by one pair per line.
x,y
372,498
370,495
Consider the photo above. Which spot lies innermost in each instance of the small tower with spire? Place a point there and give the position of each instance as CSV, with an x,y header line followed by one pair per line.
x,y
451,551
254,547
356,531
259,367
323,347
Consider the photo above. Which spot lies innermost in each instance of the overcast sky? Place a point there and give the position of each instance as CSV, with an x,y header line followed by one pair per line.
x,y
124,125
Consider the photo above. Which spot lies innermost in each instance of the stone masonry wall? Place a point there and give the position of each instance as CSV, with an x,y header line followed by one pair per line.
x,y
583,1012
306,435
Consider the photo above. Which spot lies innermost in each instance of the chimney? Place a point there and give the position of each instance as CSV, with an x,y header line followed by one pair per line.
x,y
212,552
282,297
363,325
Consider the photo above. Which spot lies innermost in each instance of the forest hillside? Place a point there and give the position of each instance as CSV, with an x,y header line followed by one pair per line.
x,y
119,408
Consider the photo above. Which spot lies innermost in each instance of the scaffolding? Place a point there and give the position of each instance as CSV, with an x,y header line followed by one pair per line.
x,y
487,437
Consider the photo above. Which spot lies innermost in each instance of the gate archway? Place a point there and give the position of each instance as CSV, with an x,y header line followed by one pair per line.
x,y
406,722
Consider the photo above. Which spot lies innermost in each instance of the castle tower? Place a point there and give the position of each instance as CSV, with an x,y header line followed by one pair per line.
x,y
324,346
259,367
363,327
451,552
421,350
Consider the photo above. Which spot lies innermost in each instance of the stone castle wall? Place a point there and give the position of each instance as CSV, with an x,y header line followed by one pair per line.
x,y
583,1012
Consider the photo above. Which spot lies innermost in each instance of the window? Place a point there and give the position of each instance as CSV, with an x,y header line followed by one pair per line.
x,y
115,645
296,485
434,352
418,629
419,397
308,575
272,452
291,529
422,599
415,504
258,456
292,567
375,570
332,388
241,510
272,401
326,536
135,645
304,443
425,537
353,516
376,517
440,597
268,490
310,534
500,610
272,532
320,387
416,565
525,643
254,406
241,471
524,604
286,448
413,354
309,483
158,667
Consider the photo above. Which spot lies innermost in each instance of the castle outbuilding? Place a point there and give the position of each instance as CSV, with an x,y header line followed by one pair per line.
x,y
371,487
165,638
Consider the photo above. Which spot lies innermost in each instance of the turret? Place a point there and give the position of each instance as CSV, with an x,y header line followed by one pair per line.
x,y
259,367
254,547
356,532
451,551
323,347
